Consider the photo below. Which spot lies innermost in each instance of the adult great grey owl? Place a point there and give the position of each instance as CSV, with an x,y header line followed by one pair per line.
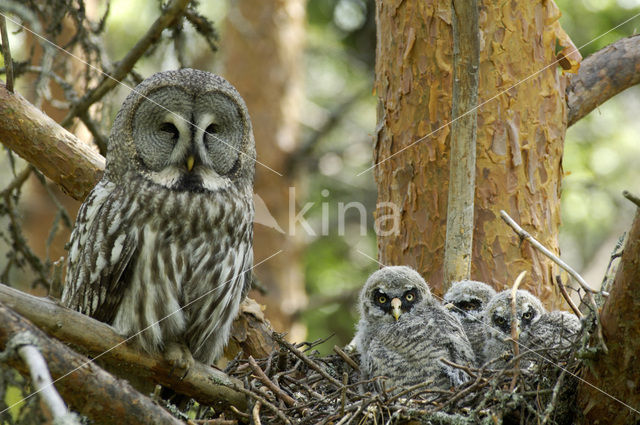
x,y
162,246
497,318
403,332
466,300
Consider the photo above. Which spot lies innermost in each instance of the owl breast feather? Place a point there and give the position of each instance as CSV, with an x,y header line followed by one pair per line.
x,y
185,276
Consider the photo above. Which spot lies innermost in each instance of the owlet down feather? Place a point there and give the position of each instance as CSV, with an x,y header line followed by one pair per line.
x,y
404,332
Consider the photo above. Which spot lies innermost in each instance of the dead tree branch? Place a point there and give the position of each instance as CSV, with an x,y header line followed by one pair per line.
x,y
203,383
173,11
602,75
462,170
43,383
84,382
61,156
24,345
615,375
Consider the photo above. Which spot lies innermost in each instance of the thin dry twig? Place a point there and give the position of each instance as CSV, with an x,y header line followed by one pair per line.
x,y
172,12
261,399
467,369
525,235
255,413
346,357
567,298
6,53
280,340
18,181
269,383
515,332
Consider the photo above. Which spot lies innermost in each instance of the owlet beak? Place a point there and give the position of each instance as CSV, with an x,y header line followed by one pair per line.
x,y
395,308
449,306
190,161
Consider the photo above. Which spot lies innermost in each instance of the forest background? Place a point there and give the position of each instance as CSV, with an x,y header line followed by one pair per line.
x,y
322,140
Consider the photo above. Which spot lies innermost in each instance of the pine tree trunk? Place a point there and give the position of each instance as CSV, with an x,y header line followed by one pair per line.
x,y
263,57
519,140
615,376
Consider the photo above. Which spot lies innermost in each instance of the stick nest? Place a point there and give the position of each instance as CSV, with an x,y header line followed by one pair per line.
x,y
295,385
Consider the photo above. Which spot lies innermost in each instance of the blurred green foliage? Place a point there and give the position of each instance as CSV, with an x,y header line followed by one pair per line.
x,y
602,151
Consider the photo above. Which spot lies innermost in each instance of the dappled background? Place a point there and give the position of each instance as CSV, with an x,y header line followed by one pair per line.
x,y
320,141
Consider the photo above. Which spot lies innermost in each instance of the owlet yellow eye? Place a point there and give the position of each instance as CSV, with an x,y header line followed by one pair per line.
x,y
409,297
499,320
527,315
382,299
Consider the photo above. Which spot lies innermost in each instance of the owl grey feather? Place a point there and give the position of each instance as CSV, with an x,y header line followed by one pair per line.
x,y
403,332
552,336
163,244
466,300
497,320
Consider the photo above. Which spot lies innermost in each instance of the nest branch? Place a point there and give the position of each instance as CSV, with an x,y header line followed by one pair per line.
x,y
91,337
82,386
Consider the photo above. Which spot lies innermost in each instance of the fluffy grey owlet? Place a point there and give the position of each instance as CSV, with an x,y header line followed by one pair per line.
x,y
466,299
163,244
552,336
403,332
497,318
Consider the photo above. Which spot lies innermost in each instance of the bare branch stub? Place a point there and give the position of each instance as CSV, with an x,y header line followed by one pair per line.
x,y
173,11
602,75
633,198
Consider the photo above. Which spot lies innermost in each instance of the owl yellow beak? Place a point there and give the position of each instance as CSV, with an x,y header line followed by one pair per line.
x,y
395,308
190,161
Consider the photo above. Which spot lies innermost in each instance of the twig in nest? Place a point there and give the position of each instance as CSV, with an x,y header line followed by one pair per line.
x,y
462,393
554,397
344,420
409,390
515,332
260,399
255,413
467,369
240,414
346,358
630,196
343,391
280,340
566,297
269,383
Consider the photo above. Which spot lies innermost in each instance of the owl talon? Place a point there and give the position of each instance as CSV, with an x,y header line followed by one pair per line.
x,y
179,357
